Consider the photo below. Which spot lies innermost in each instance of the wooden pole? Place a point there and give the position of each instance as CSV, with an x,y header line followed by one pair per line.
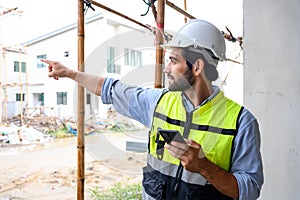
x,y
21,91
184,6
27,92
172,5
80,105
1,56
160,22
117,13
4,88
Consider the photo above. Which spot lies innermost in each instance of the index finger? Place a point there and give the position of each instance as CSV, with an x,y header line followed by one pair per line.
x,y
46,61
179,145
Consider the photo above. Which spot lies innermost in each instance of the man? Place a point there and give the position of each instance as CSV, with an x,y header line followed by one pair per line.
x,y
221,156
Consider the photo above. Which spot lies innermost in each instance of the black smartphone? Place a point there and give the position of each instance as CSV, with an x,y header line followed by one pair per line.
x,y
171,135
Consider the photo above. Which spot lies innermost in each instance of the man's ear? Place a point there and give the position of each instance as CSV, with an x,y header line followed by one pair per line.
x,y
199,66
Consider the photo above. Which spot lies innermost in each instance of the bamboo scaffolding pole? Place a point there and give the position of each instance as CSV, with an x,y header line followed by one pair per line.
x,y
80,105
3,51
4,102
26,85
117,13
5,85
160,22
21,91
14,50
185,7
172,5
1,116
234,61
1,56
1,112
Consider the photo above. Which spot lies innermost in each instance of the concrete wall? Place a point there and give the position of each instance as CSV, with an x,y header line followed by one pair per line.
x,y
272,90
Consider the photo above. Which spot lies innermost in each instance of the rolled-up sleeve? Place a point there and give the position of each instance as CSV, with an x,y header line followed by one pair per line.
x,y
246,160
134,102
106,90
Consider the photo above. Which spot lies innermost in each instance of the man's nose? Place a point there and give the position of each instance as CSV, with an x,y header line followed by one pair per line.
x,y
167,68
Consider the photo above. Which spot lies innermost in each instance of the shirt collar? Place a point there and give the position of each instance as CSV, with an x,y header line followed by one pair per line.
x,y
189,106
216,91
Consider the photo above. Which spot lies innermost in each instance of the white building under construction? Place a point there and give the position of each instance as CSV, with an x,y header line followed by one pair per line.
x,y
112,48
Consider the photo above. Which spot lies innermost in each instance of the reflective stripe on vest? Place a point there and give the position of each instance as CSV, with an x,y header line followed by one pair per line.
x,y
171,170
212,125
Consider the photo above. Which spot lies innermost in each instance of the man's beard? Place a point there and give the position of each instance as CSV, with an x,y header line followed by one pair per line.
x,y
184,82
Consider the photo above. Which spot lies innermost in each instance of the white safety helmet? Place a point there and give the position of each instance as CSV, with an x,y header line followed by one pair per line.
x,y
200,34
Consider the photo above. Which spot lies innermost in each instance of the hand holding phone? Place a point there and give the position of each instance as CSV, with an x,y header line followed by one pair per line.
x,y
171,135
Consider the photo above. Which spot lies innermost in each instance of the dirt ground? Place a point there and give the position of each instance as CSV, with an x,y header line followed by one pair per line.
x,y
49,170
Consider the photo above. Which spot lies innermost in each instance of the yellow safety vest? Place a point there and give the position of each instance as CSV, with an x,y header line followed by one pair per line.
x,y
212,125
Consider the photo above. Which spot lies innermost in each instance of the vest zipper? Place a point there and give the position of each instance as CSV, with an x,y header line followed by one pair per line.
x,y
188,123
186,133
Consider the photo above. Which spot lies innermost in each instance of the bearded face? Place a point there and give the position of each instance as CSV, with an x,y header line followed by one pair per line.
x,y
181,82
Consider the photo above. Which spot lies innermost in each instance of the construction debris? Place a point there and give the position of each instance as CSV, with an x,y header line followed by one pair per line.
x,y
40,128
13,134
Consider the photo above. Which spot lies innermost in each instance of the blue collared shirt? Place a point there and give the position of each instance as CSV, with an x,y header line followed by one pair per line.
x,y
246,164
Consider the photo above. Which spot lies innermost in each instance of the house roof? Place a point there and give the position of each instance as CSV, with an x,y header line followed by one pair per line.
x,y
61,30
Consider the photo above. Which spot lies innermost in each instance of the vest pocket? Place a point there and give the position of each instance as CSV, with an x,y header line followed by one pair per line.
x,y
153,185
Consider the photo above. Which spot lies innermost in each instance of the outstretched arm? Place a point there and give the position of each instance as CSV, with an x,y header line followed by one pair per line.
x,y
90,82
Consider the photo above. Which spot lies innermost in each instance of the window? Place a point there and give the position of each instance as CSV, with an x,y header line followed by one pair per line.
x,y
41,98
41,64
111,60
88,99
17,65
138,58
18,97
126,57
61,98
132,57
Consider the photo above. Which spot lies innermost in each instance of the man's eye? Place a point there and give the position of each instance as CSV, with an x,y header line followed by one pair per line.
x,y
172,61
